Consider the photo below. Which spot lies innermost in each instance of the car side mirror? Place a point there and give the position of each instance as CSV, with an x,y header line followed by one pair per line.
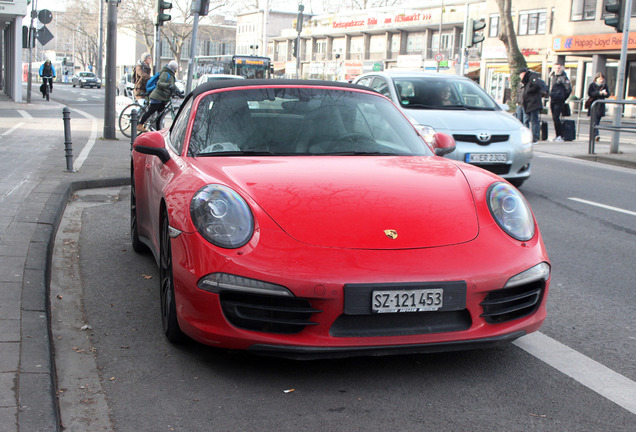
x,y
443,144
151,143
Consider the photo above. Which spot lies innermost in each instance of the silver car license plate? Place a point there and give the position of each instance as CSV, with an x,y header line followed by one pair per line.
x,y
416,300
486,157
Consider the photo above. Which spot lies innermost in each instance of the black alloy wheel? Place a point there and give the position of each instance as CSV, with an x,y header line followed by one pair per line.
x,y
137,245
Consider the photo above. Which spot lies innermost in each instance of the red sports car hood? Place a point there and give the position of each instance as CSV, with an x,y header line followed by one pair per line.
x,y
359,202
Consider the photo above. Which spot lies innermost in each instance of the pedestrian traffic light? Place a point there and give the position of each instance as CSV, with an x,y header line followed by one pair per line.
x,y
472,37
162,16
615,14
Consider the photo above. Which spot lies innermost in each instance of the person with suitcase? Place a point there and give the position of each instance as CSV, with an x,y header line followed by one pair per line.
x,y
560,89
533,89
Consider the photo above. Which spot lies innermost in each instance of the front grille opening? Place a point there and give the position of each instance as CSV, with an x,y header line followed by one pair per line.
x,y
499,169
270,314
512,303
400,324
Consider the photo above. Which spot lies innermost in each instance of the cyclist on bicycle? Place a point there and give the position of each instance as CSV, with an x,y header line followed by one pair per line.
x,y
161,94
141,75
47,73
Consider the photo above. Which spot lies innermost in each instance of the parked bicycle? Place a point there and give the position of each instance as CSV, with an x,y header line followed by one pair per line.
x,y
166,117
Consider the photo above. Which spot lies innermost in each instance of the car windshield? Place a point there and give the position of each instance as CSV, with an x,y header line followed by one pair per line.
x,y
87,74
301,121
449,94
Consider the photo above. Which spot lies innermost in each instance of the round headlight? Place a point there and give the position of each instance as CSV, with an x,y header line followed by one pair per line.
x,y
221,216
511,211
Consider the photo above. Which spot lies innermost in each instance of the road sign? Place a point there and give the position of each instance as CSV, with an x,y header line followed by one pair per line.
x,y
44,36
45,16
439,57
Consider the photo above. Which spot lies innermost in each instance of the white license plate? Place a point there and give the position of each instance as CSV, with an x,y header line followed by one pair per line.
x,y
486,157
417,300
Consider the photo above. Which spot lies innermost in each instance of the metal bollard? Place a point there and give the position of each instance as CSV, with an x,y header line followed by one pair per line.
x,y
68,145
133,127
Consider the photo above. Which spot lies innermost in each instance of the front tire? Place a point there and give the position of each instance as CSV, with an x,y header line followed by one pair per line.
x,y
137,245
169,319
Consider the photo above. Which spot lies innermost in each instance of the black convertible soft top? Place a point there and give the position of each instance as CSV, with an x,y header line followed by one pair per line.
x,y
217,84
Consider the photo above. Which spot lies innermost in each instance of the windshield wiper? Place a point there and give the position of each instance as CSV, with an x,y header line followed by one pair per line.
x,y
358,153
239,153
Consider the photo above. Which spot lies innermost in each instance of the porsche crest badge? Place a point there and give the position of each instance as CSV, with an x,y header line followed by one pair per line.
x,y
392,234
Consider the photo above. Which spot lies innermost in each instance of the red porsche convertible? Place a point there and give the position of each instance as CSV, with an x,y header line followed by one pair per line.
x,y
310,219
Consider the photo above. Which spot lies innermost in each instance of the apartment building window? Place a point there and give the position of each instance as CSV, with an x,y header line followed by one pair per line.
x,y
493,27
377,44
414,42
583,10
532,22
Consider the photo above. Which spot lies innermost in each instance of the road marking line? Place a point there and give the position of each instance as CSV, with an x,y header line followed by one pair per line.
x,y
87,148
12,129
593,375
592,203
25,114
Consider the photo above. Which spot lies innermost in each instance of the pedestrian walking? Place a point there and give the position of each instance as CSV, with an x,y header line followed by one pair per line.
x,y
597,90
560,89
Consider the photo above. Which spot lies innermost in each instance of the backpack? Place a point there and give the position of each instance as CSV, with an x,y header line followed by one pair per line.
x,y
152,82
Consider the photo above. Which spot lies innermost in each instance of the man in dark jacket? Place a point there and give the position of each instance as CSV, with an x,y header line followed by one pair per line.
x,y
161,94
532,104
560,89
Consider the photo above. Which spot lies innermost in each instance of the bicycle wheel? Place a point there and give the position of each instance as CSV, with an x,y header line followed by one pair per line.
x,y
124,117
167,118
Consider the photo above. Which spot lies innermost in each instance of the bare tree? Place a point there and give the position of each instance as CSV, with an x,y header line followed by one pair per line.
x,y
81,20
507,35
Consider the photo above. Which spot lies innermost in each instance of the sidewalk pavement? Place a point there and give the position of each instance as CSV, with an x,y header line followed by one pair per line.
x,y
30,213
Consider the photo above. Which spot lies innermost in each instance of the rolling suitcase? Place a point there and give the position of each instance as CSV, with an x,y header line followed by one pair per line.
x,y
544,130
569,130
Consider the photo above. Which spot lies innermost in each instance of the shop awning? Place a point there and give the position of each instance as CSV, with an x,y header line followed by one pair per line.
x,y
505,68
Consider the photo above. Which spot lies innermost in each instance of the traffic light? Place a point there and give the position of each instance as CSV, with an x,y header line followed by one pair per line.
x,y
472,37
616,16
294,48
162,16
204,7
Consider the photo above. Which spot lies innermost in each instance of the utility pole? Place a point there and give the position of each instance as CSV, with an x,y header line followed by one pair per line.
x,y
439,38
620,79
100,54
111,69
462,57
195,28
299,29
31,39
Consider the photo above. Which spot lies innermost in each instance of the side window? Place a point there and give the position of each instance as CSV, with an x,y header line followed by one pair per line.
x,y
381,86
177,135
366,81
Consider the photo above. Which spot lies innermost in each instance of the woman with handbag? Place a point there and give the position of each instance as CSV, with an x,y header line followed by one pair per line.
x,y
597,90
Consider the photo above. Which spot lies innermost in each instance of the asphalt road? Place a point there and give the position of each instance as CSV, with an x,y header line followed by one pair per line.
x,y
122,374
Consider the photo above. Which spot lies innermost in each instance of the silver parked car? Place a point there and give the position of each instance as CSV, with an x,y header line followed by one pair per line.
x,y
486,134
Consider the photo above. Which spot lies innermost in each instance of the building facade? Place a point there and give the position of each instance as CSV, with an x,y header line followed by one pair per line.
x,y
342,45
548,31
